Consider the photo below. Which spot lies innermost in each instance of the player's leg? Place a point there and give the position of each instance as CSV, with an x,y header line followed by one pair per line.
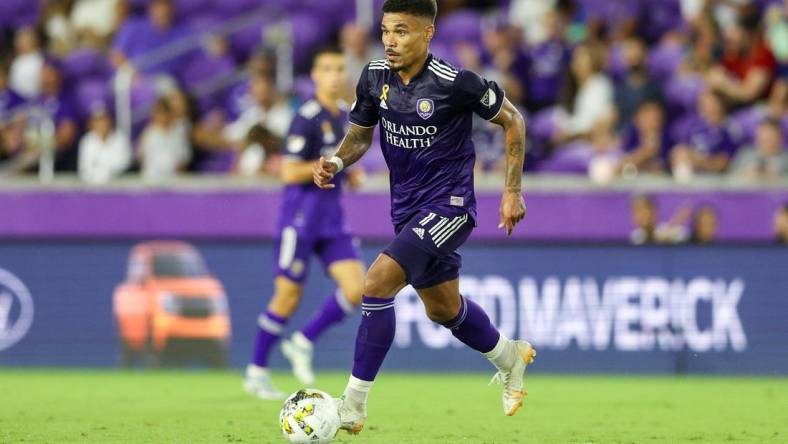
x,y
349,276
292,254
468,322
384,280
270,325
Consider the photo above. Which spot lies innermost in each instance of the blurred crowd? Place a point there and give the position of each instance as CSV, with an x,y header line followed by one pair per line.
x,y
610,88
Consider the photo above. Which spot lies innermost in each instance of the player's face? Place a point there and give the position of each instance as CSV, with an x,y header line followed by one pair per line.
x,y
329,74
406,39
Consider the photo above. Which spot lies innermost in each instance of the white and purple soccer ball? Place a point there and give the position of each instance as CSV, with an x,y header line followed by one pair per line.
x,y
309,416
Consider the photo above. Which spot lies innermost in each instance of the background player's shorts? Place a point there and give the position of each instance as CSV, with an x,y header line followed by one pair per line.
x,y
294,249
425,245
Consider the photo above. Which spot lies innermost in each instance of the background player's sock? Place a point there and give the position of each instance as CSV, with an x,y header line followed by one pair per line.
x,y
269,328
334,310
472,326
374,337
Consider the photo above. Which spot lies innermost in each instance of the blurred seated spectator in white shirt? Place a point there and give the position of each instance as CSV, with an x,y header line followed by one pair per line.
x,y
25,75
768,159
104,152
164,149
94,21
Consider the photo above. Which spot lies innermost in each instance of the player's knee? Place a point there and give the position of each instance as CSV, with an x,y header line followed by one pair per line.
x,y
287,296
378,284
352,292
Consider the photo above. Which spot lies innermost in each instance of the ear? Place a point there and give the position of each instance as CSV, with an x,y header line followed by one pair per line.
x,y
429,32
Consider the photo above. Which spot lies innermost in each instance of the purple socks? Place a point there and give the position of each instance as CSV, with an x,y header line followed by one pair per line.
x,y
269,328
374,338
472,326
334,310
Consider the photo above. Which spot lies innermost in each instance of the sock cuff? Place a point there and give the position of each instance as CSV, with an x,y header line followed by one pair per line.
x,y
271,322
376,304
499,348
359,384
343,303
460,318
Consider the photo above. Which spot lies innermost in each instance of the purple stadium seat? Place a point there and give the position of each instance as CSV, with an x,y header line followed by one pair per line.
x,y
543,125
205,21
747,120
303,87
445,51
232,8
189,8
201,71
244,41
572,158
85,62
18,13
308,32
463,25
90,93
664,60
682,92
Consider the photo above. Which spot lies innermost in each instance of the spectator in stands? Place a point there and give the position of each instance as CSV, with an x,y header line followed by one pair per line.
x,y
259,155
359,50
704,226
548,61
270,110
10,101
57,27
646,142
138,38
56,103
164,149
781,225
587,96
25,73
104,153
507,62
530,17
768,159
636,85
94,21
747,67
648,230
706,145
777,36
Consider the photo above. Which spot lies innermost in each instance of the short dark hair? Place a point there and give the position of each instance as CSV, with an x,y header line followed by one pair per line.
x,y
419,8
328,49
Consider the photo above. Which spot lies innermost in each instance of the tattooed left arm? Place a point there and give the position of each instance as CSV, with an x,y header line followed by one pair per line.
x,y
512,209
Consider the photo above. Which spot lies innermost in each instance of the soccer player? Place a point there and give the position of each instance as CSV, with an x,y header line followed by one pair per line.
x,y
424,107
310,222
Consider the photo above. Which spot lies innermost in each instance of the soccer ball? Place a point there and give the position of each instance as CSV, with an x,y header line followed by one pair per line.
x,y
309,416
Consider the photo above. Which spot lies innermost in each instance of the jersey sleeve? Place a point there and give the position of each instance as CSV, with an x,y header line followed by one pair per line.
x,y
300,143
364,111
482,96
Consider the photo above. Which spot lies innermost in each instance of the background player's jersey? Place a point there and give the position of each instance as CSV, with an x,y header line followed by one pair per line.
x,y
425,131
313,132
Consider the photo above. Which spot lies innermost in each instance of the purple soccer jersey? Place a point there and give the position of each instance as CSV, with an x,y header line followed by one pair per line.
x,y
426,132
311,220
708,139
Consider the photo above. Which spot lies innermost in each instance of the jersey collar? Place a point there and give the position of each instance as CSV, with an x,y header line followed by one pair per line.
x,y
418,75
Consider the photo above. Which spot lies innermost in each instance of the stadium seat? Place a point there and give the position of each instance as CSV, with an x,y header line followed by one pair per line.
x,y
664,60
461,26
91,92
203,71
86,62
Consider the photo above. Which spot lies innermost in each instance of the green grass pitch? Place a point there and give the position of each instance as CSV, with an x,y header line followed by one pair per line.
x,y
62,406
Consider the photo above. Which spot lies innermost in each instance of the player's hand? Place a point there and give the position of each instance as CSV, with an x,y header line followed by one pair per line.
x,y
512,210
323,172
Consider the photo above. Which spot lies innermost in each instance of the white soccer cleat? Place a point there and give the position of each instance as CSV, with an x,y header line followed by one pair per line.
x,y
257,382
351,417
298,350
512,380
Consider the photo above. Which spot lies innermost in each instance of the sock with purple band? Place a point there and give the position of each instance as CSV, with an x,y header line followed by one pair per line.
x,y
269,329
374,338
472,326
334,310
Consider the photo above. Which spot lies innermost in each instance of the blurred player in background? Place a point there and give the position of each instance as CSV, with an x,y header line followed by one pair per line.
x,y
425,107
310,222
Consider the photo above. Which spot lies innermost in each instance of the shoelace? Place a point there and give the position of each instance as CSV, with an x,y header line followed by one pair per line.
x,y
502,378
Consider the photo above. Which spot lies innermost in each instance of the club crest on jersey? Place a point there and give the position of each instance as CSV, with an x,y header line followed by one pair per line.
x,y
425,108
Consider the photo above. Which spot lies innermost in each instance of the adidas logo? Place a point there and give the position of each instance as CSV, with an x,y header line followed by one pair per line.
x,y
383,104
419,232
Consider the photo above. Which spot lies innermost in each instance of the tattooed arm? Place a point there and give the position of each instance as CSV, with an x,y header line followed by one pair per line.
x,y
512,208
353,146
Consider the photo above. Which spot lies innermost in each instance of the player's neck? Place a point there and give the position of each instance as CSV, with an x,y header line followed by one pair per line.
x,y
406,75
328,101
